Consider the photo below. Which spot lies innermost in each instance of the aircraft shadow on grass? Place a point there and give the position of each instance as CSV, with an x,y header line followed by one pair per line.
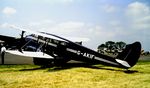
x,y
52,68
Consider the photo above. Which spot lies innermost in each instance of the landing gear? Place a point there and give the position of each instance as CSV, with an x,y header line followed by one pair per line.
x,y
60,61
42,61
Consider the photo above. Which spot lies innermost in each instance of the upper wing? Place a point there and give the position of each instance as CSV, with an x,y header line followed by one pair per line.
x,y
7,38
48,35
36,33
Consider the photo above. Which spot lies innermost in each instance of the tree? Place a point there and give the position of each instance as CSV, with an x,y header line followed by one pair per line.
x,y
110,45
120,46
101,48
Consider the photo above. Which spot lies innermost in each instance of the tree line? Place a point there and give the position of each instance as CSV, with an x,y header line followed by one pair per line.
x,y
111,47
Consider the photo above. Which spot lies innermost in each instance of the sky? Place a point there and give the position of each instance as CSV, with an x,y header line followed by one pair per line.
x,y
97,20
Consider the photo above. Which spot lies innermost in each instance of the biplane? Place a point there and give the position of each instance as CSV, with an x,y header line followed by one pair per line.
x,y
47,48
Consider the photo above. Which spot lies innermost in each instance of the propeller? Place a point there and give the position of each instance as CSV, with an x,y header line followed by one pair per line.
x,y
3,50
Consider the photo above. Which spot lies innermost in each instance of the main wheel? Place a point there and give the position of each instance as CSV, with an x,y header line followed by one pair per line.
x,y
42,61
59,61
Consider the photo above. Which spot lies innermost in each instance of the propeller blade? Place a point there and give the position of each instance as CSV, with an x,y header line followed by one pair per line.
x,y
3,49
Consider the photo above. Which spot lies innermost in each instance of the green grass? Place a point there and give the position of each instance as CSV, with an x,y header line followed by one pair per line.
x,y
74,76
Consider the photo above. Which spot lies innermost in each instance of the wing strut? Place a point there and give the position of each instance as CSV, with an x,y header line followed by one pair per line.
x,y
21,41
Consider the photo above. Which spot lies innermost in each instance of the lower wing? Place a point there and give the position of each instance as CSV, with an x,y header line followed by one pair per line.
x,y
29,54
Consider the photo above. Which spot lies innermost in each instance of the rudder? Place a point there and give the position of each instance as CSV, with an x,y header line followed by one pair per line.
x,y
130,55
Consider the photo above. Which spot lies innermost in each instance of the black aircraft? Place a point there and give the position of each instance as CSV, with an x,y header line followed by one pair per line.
x,y
48,48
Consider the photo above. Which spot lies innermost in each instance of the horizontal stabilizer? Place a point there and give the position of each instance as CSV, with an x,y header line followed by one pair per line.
x,y
124,63
29,54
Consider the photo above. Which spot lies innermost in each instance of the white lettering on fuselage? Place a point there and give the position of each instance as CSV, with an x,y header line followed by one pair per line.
x,y
90,56
79,53
71,50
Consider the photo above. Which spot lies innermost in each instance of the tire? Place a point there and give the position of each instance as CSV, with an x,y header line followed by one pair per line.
x,y
59,61
42,61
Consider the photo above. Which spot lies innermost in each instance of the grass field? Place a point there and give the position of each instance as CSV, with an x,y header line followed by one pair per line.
x,y
74,75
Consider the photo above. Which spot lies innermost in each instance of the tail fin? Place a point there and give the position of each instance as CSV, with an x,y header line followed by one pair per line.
x,y
130,55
